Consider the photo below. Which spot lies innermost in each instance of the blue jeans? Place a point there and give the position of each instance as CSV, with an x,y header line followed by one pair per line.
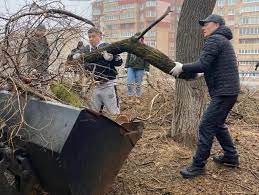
x,y
134,81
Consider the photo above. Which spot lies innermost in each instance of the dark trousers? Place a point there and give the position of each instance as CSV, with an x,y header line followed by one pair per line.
x,y
213,125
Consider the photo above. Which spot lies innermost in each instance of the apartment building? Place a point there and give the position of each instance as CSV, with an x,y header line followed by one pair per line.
x,y
120,19
242,16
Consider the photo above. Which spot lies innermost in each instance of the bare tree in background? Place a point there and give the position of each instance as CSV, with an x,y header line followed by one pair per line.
x,y
190,97
63,30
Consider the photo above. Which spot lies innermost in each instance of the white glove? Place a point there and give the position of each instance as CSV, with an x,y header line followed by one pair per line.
x,y
107,56
198,75
177,70
76,56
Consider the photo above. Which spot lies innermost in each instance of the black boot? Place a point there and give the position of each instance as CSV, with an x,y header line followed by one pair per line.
x,y
192,171
227,161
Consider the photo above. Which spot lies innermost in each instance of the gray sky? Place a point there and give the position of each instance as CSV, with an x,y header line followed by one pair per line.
x,y
79,7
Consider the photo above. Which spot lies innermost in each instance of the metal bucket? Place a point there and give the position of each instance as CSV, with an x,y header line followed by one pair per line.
x,y
71,151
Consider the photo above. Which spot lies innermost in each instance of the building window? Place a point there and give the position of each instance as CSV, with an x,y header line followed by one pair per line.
x,y
127,25
127,15
111,9
151,4
109,1
250,20
231,2
249,9
112,26
220,3
127,6
112,17
249,51
249,41
250,1
127,34
249,31
150,13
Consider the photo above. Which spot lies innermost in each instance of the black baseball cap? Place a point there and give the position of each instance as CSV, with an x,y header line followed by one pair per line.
x,y
213,18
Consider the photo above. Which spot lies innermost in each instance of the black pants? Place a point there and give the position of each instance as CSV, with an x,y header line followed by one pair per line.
x,y
213,125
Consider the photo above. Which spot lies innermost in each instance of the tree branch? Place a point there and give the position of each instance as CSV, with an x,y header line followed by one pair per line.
x,y
52,11
155,22
150,54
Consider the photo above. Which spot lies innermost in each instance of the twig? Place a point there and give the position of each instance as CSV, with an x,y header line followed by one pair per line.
x,y
155,22
26,88
147,163
251,171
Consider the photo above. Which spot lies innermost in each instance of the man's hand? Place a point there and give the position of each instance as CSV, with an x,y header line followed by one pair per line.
x,y
76,56
177,70
107,56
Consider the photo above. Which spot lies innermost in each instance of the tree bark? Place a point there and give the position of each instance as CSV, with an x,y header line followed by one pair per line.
x,y
190,100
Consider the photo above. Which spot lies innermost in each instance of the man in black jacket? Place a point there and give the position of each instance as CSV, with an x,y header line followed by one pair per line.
x,y
104,71
219,65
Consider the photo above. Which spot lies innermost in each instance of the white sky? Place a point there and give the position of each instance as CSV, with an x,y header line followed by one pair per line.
x,y
79,7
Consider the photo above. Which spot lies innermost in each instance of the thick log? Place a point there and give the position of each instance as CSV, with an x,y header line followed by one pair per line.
x,y
131,45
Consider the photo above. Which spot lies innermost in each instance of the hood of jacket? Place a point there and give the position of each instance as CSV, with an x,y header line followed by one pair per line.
x,y
225,31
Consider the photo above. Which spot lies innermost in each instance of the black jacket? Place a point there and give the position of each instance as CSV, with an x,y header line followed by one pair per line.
x,y
219,64
103,70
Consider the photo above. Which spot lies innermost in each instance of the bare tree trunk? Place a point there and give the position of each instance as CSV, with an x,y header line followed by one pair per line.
x,y
190,97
